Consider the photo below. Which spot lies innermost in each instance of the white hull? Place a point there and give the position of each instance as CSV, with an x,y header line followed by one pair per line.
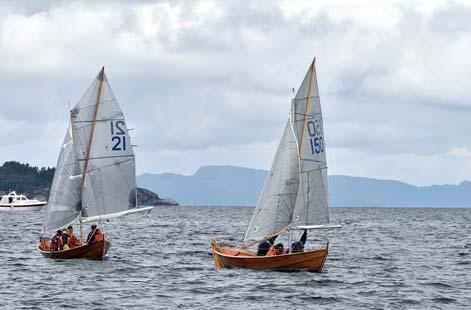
x,y
21,208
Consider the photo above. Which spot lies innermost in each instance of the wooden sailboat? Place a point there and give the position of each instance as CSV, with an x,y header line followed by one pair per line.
x,y
95,176
294,196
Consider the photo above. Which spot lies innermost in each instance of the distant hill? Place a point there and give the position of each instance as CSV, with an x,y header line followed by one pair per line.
x,y
366,192
210,185
23,177
35,182
236,186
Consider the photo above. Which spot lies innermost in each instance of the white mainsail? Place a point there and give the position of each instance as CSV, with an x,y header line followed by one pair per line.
x,y
104,152
295,191
64,203
276,202
95,173
312,206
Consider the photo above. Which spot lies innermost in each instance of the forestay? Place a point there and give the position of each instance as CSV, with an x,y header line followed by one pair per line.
x,y
312,201
98,123
276,202
64,203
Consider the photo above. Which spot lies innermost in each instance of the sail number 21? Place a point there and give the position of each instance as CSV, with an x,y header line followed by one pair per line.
x,y
315,134
118,136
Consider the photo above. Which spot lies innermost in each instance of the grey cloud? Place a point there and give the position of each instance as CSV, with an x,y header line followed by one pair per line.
x,y
217,85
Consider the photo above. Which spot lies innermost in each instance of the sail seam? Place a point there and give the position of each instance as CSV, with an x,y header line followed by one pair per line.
x,y
105,157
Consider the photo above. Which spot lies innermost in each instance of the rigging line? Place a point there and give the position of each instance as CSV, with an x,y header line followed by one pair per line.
x,y
93,85
315,169
112,164
106,157
101,120
307,200
313,160
309,115
276,195
102,192
101,102
304,98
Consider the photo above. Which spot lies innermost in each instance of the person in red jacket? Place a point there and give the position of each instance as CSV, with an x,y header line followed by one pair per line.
x,y
94,235
71,240
98,235
56,242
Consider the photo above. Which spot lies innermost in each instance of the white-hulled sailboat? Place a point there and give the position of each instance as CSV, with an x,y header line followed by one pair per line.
x,y
294,196
95,176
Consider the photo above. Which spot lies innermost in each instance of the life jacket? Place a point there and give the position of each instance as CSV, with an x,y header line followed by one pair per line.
x,y
56,243
272,252
71,241
98,235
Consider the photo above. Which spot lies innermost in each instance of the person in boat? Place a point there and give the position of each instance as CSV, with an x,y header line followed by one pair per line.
x,y
65,236
265,246
275,250
56,242
298,246
94,235
71,240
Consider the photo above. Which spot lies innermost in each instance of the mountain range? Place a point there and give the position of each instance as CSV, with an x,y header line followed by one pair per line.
x,y
237,186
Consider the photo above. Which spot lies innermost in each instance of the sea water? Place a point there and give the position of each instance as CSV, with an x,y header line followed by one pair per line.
x,y
383,258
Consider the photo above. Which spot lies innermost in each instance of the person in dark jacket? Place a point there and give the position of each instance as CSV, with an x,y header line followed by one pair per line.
x,y
56,242
265,246
298,246
92,235
65,236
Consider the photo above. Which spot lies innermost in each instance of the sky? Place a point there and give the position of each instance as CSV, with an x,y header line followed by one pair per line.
x,y
210,82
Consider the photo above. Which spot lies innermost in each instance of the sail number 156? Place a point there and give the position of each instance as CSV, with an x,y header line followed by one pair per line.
x,y
316,139
118,136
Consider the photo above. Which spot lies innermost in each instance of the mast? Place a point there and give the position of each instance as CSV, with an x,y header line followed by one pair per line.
x,y
90,139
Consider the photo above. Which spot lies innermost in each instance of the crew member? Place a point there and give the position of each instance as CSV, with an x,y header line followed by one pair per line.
x,y
71,240
265,246
56,242
298,246
91,235
276,250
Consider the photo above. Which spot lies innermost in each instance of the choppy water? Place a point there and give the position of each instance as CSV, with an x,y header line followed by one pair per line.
x,y
382,259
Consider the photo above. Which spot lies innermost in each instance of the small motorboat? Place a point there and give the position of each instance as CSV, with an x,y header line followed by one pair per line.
x,y
14,202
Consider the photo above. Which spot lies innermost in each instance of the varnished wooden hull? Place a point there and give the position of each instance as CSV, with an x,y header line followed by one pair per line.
x,y
97,251
310,260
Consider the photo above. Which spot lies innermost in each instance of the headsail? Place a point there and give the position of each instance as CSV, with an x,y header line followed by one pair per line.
x,y
277,200
104,150
312,206
64,202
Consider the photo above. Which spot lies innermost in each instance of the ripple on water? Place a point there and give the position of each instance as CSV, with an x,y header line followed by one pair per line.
x,y
381,259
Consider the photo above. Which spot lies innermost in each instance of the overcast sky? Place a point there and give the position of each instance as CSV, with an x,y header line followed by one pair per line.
x,y
209,82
